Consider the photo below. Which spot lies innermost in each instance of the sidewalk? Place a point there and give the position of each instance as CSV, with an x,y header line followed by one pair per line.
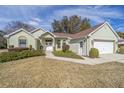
x,y
89,61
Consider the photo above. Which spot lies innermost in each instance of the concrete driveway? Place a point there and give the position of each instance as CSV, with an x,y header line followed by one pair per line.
x,y
105,58
112,56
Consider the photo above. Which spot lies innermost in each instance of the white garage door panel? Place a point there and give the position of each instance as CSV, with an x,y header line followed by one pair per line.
x,y
104,47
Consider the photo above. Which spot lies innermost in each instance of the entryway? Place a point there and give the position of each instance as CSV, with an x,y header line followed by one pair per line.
x,y
49,44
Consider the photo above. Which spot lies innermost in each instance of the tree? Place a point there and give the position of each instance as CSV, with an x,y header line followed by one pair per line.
x,y
3,42
14,25
121,34
57,26
71,24
85,24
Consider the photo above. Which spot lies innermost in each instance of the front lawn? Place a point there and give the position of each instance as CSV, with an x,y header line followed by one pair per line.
x,y
68,54
42,72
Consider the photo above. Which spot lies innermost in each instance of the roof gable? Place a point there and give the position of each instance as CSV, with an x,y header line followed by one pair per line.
x,y
106,23
17,31
48,33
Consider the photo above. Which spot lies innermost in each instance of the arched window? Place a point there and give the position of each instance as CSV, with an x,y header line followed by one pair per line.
x,y
22,41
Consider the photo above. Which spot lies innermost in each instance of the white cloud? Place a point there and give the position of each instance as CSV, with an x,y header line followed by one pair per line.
x,y
119,27
36,19
96,13
33,23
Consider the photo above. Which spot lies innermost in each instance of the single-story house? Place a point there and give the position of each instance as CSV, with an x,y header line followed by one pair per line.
x,y
102,36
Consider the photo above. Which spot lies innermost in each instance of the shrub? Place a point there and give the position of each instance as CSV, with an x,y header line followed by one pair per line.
x,y
9,56
30,47
41,47
17,49
11,46
65,48
121,50
94,53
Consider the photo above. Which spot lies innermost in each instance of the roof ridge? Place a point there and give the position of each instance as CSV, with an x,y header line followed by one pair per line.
x,y
79,34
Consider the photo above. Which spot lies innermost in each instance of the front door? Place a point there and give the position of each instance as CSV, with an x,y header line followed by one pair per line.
x,y
49,44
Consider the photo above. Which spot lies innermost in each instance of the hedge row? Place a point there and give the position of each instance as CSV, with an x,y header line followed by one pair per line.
x,y
17,49
9,56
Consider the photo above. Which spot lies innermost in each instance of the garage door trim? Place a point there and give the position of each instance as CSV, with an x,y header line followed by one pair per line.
x,y
102,40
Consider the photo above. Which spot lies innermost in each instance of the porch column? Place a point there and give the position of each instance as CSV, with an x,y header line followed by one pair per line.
x,y
61,42
53,43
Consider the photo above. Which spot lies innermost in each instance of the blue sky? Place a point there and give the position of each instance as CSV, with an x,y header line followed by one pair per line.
x,y
42,16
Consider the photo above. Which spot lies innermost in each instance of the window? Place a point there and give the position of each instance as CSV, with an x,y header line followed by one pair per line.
x,y
48,42
58,44
64,42
22,41
81,44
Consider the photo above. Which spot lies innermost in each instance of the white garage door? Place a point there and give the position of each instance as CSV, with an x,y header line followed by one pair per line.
x,y
104,47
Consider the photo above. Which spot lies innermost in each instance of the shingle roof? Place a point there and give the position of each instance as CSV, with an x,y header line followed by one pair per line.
x,y
27,29
79,34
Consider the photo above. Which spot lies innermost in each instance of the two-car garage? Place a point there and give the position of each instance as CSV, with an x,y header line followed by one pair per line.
x,y
104,47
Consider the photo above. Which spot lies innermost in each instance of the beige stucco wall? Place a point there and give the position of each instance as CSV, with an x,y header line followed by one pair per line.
x,y
104,33
13,40
75,46
38,33
61,42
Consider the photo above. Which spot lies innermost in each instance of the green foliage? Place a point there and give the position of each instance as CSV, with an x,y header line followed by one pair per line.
x,y
121,50
94,53
121,34
9,56
65,48
3,41
68,54
71,24
30,47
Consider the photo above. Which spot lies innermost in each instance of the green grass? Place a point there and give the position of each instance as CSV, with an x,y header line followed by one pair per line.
x,y
68,54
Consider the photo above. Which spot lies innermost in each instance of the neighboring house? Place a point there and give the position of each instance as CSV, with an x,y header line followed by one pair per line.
x,y
102,37
121,42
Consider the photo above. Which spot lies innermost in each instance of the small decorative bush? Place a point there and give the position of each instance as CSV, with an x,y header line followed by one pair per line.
x,y
65,48
94,53
30,47
9,56
17,49
41,47
11,46
121,50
